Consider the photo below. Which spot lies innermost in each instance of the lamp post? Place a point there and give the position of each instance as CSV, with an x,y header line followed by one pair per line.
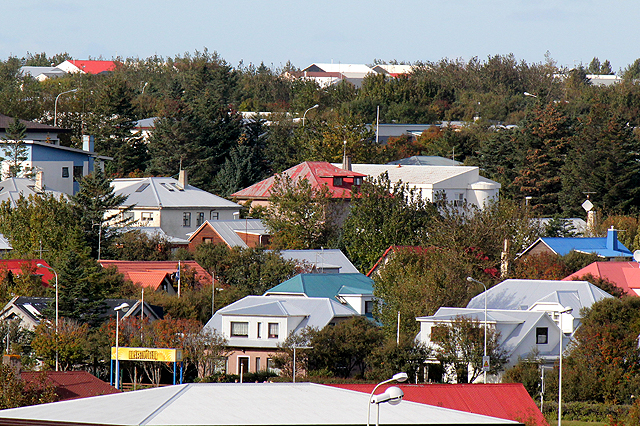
x,y
473,280
294,358
567,310
398,377
213,293
305,113
40,265
530,94
55,106
122,307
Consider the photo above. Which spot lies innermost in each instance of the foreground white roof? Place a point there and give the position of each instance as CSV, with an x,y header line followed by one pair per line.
x,y
241,404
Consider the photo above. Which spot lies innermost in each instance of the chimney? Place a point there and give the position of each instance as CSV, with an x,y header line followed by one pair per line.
x,y
612,238
182,179
346,160
87,143
39,181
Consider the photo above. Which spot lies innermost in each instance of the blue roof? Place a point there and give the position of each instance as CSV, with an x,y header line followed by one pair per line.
x,y
325,285
608,246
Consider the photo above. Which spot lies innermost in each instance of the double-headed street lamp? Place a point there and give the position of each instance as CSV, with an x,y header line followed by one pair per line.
x,y
484,358
55,106
393,395
40,265
124,307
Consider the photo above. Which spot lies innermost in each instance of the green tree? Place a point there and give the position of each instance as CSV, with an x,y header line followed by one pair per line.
x,y
15,150
390,358
460,344
136,245
300,216
69,343
381,215
14,392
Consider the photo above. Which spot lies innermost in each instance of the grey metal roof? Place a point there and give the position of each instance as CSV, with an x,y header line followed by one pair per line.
x,y
227,229
166,192
4,243
523,294
321,259
12,188
241,404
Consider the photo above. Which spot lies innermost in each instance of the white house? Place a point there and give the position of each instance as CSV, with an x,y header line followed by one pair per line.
x,y
173,205
457,183
255,325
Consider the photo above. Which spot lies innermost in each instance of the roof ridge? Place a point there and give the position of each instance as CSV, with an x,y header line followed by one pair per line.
x,y
168,402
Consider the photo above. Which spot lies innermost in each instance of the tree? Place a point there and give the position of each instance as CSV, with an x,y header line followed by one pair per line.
x,y
90,206
381,215
14,392
15,150
206,350
461,346
389,358
69,343
300,216
136,245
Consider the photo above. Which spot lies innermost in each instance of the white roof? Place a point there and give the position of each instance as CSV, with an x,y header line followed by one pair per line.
x,y
524,294
165,192
321,259
242,404
343,68
393,69
12,188
317,312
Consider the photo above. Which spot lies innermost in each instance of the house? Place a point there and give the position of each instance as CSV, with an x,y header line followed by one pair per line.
x,y
606,247
330,74
62,167
69,385
17,267
172,205
393,70
426,160
240,404
354,290
157,275
28,310
5,245
384,131
625,275
338,181
458,184
321,261
509,401
255,325
42,73
234,233
12,189
87,66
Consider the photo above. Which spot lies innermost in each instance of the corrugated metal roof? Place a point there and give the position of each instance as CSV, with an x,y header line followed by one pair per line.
x,y
241,404
508,401
126,267
417,175
321,259
625,275
70,384
166,192
325,285
608,246
11,189
523,294
425,160
228,230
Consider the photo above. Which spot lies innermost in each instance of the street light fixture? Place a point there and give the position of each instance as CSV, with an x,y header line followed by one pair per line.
x,y
122,307
305,113
530,94
40,265
55,106
390,395
473,280
567,310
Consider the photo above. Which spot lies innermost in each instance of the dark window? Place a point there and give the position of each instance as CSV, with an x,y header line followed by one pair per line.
x,y
542,335
78,172
199,218
357,181
337,181
273,330
214,215
142,187
368,306
65,172
186,219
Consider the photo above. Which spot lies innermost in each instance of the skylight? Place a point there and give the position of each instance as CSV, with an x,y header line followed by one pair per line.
x,y
142,187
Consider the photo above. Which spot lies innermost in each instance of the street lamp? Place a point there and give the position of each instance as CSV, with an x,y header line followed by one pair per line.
x,y
294,358
305,113
122,307
55,106
567,310
530,94
392,397
40,265
484,358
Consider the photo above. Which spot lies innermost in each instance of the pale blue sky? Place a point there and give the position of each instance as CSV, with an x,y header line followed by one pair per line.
x,y
349,31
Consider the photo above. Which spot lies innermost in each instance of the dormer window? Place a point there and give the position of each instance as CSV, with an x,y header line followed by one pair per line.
x,y
337,181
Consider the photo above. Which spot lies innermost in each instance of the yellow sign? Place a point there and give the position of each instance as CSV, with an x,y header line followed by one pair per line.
x,y
147,354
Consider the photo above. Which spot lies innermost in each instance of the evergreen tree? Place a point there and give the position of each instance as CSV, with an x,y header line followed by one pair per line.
x,y
15,150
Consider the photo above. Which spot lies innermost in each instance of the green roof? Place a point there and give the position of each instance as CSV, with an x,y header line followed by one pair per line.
x,y
325,285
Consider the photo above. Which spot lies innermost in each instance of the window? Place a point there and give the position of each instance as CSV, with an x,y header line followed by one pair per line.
x,y
167,187
207,240
186,219
368,306
257,364
65,172
78,172
357,181
259,332
337,181
239,329
273,330
542,335
142,187
214,215
146,216
270,366
458,200
127,216
199,218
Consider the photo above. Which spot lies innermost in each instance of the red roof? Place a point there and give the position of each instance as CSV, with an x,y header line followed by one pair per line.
x,y
625,275
148,273
502,400
16,265
94,67
316,172
71,384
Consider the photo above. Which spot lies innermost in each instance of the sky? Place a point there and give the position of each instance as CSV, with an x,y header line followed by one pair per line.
x,y
324,31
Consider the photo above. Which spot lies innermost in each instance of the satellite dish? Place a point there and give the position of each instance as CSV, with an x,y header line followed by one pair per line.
x,y
636,256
